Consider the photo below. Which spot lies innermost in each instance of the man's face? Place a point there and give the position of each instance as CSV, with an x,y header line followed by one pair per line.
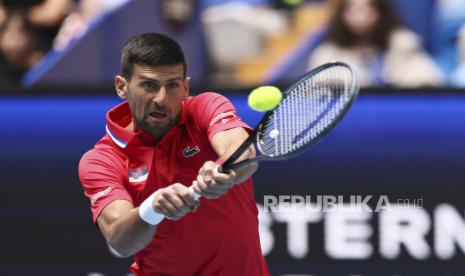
x,y
155,96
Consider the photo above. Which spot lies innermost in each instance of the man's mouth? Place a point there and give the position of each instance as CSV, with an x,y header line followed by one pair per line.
x,y
158,115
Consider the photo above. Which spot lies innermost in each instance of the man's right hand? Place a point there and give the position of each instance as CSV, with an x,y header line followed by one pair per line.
x,y
175,201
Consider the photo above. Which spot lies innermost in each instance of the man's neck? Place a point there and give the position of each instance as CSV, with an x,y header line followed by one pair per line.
x,y
131,127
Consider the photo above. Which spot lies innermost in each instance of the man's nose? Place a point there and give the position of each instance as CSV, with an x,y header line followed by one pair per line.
x,y
160,96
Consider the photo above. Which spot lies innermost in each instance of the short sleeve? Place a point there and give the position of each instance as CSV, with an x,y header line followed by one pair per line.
x,y
215,113
102,179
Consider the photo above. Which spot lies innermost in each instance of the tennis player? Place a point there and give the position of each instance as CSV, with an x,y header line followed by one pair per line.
x,y
158,142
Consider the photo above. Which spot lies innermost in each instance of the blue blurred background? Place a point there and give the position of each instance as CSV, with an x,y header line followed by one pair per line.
x,y
401,143
228,43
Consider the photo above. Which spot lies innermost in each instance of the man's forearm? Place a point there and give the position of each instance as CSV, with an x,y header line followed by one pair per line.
x,y
128,234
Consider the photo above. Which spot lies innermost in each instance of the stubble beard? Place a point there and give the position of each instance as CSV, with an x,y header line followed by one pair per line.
x,y
158,131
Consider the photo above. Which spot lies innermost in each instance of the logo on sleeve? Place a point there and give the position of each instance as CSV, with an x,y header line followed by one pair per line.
x,y
189,152
223,118
98,195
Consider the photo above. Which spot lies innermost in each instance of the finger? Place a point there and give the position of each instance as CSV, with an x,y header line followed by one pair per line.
x,y
195,187
224,185
173,204
187,196
213,186
174,217
207,172
202,185
224,177
181,197
195,207
177,201
162,206
159,204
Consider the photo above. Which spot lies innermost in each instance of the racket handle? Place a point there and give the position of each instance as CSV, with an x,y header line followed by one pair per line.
x,y
194,193
232,167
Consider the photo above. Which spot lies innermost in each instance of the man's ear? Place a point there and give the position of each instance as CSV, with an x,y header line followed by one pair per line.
x,y
186,86
121,86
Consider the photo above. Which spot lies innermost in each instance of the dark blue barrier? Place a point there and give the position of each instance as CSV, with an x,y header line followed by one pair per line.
x,y
408,148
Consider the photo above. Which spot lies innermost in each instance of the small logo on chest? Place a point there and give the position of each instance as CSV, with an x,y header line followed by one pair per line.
x,y
189,152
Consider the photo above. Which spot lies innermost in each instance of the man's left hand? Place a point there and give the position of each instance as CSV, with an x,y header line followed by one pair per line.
x,y
210,183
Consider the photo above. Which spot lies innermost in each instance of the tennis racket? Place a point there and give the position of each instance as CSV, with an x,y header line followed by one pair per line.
x,y
310,108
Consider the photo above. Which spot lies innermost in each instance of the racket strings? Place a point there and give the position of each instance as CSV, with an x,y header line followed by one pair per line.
x,y
308,109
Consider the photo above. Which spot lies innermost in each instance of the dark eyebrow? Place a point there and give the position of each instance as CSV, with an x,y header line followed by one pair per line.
x,y
175,79
148,78
144,78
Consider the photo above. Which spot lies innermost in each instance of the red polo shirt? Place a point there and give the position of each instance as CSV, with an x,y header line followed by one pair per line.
x,y
221,238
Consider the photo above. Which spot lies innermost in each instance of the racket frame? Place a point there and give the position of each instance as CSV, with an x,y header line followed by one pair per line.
x,y
255,135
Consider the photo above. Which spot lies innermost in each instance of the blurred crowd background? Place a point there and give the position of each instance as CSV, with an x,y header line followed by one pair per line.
x,y
235,43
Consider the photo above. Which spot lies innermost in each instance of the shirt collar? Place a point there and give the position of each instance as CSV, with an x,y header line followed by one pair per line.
x,y
119,117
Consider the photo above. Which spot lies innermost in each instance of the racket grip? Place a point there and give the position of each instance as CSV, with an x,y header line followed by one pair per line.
x,y
194,193
232,167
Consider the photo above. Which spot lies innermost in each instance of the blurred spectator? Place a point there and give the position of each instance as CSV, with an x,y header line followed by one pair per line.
x,y
178,11
21,47
448,17
27,30
3,14
369,35
235,30
49,13
46,16
77,23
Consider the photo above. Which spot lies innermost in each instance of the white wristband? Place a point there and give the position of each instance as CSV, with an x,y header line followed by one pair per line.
x,y
147,213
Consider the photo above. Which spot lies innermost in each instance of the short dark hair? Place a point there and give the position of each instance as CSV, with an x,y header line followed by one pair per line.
x,y
151,49
388,21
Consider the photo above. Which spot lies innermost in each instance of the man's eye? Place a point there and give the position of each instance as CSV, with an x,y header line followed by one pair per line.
x,y
173,85
149,85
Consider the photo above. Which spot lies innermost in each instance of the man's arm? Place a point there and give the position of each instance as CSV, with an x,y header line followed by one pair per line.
x,y
212,184
123,227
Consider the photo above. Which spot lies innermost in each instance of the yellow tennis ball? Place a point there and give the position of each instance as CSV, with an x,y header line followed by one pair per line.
x,y
265,98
